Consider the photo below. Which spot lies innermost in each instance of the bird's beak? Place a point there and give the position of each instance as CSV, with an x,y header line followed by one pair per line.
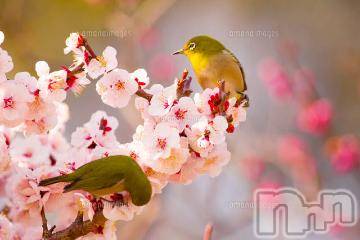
x,y
181,51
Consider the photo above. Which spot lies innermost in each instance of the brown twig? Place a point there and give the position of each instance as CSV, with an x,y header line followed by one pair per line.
x,y
183,85
46,232
77,229
143,94
89,48
182,90
5,210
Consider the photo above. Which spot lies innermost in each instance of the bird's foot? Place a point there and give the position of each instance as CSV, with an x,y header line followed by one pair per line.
x,y
243,100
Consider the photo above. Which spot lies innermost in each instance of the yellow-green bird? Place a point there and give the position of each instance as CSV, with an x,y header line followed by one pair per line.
x,y
212,62
107,176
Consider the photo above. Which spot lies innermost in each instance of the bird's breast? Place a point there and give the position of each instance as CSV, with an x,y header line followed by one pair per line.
x,y
199,62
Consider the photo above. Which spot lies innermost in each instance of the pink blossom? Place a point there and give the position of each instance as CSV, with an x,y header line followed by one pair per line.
x,y
72,42
83,138
161,140
189,170
75,159
41,116
198,136
203,135
136,150
7,229
27,80
158,180
29,152
275,78
203,99
27,195
316,117
344,152
102,64
97,134
52,85
4,156
140,76
173,163
64,201
27,229
142,105
124,210
182,114
76,82
215,160
6,63
162,100
217,129
84,205
101,124
14,101
26,198
238,113
116,88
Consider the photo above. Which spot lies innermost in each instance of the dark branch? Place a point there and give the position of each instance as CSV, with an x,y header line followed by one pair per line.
x,y
77,229
143,94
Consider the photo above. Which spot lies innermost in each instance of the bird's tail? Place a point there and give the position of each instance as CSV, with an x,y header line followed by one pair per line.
x,y
49,181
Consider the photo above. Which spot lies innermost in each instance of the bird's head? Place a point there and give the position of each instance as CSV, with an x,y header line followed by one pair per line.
x,y
203,45
137,183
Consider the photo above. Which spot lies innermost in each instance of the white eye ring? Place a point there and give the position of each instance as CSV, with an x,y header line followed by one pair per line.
x,y
192,46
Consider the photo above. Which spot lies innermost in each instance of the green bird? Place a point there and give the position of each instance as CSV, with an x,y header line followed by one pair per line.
x,y
107,176
212,62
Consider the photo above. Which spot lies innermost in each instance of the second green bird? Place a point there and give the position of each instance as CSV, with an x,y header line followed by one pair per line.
x,y
107,176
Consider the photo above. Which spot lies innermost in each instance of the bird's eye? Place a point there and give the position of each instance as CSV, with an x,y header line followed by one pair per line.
x,y
192,46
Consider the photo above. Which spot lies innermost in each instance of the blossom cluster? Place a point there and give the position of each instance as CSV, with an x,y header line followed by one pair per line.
x,y
181,137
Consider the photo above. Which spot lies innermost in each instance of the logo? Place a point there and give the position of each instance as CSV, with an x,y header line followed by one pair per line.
x,y
286,211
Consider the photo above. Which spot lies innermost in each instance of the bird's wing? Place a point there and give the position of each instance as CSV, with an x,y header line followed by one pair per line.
x,y
239,64
95,179
91,184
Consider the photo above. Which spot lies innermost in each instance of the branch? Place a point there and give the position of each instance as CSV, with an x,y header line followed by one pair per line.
x,y
143,94
183,85
183,88
77,229
89,48
46,232
5,210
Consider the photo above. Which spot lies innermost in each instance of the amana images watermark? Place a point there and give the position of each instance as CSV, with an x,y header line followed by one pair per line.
x,y
293,217
120,33
257,33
